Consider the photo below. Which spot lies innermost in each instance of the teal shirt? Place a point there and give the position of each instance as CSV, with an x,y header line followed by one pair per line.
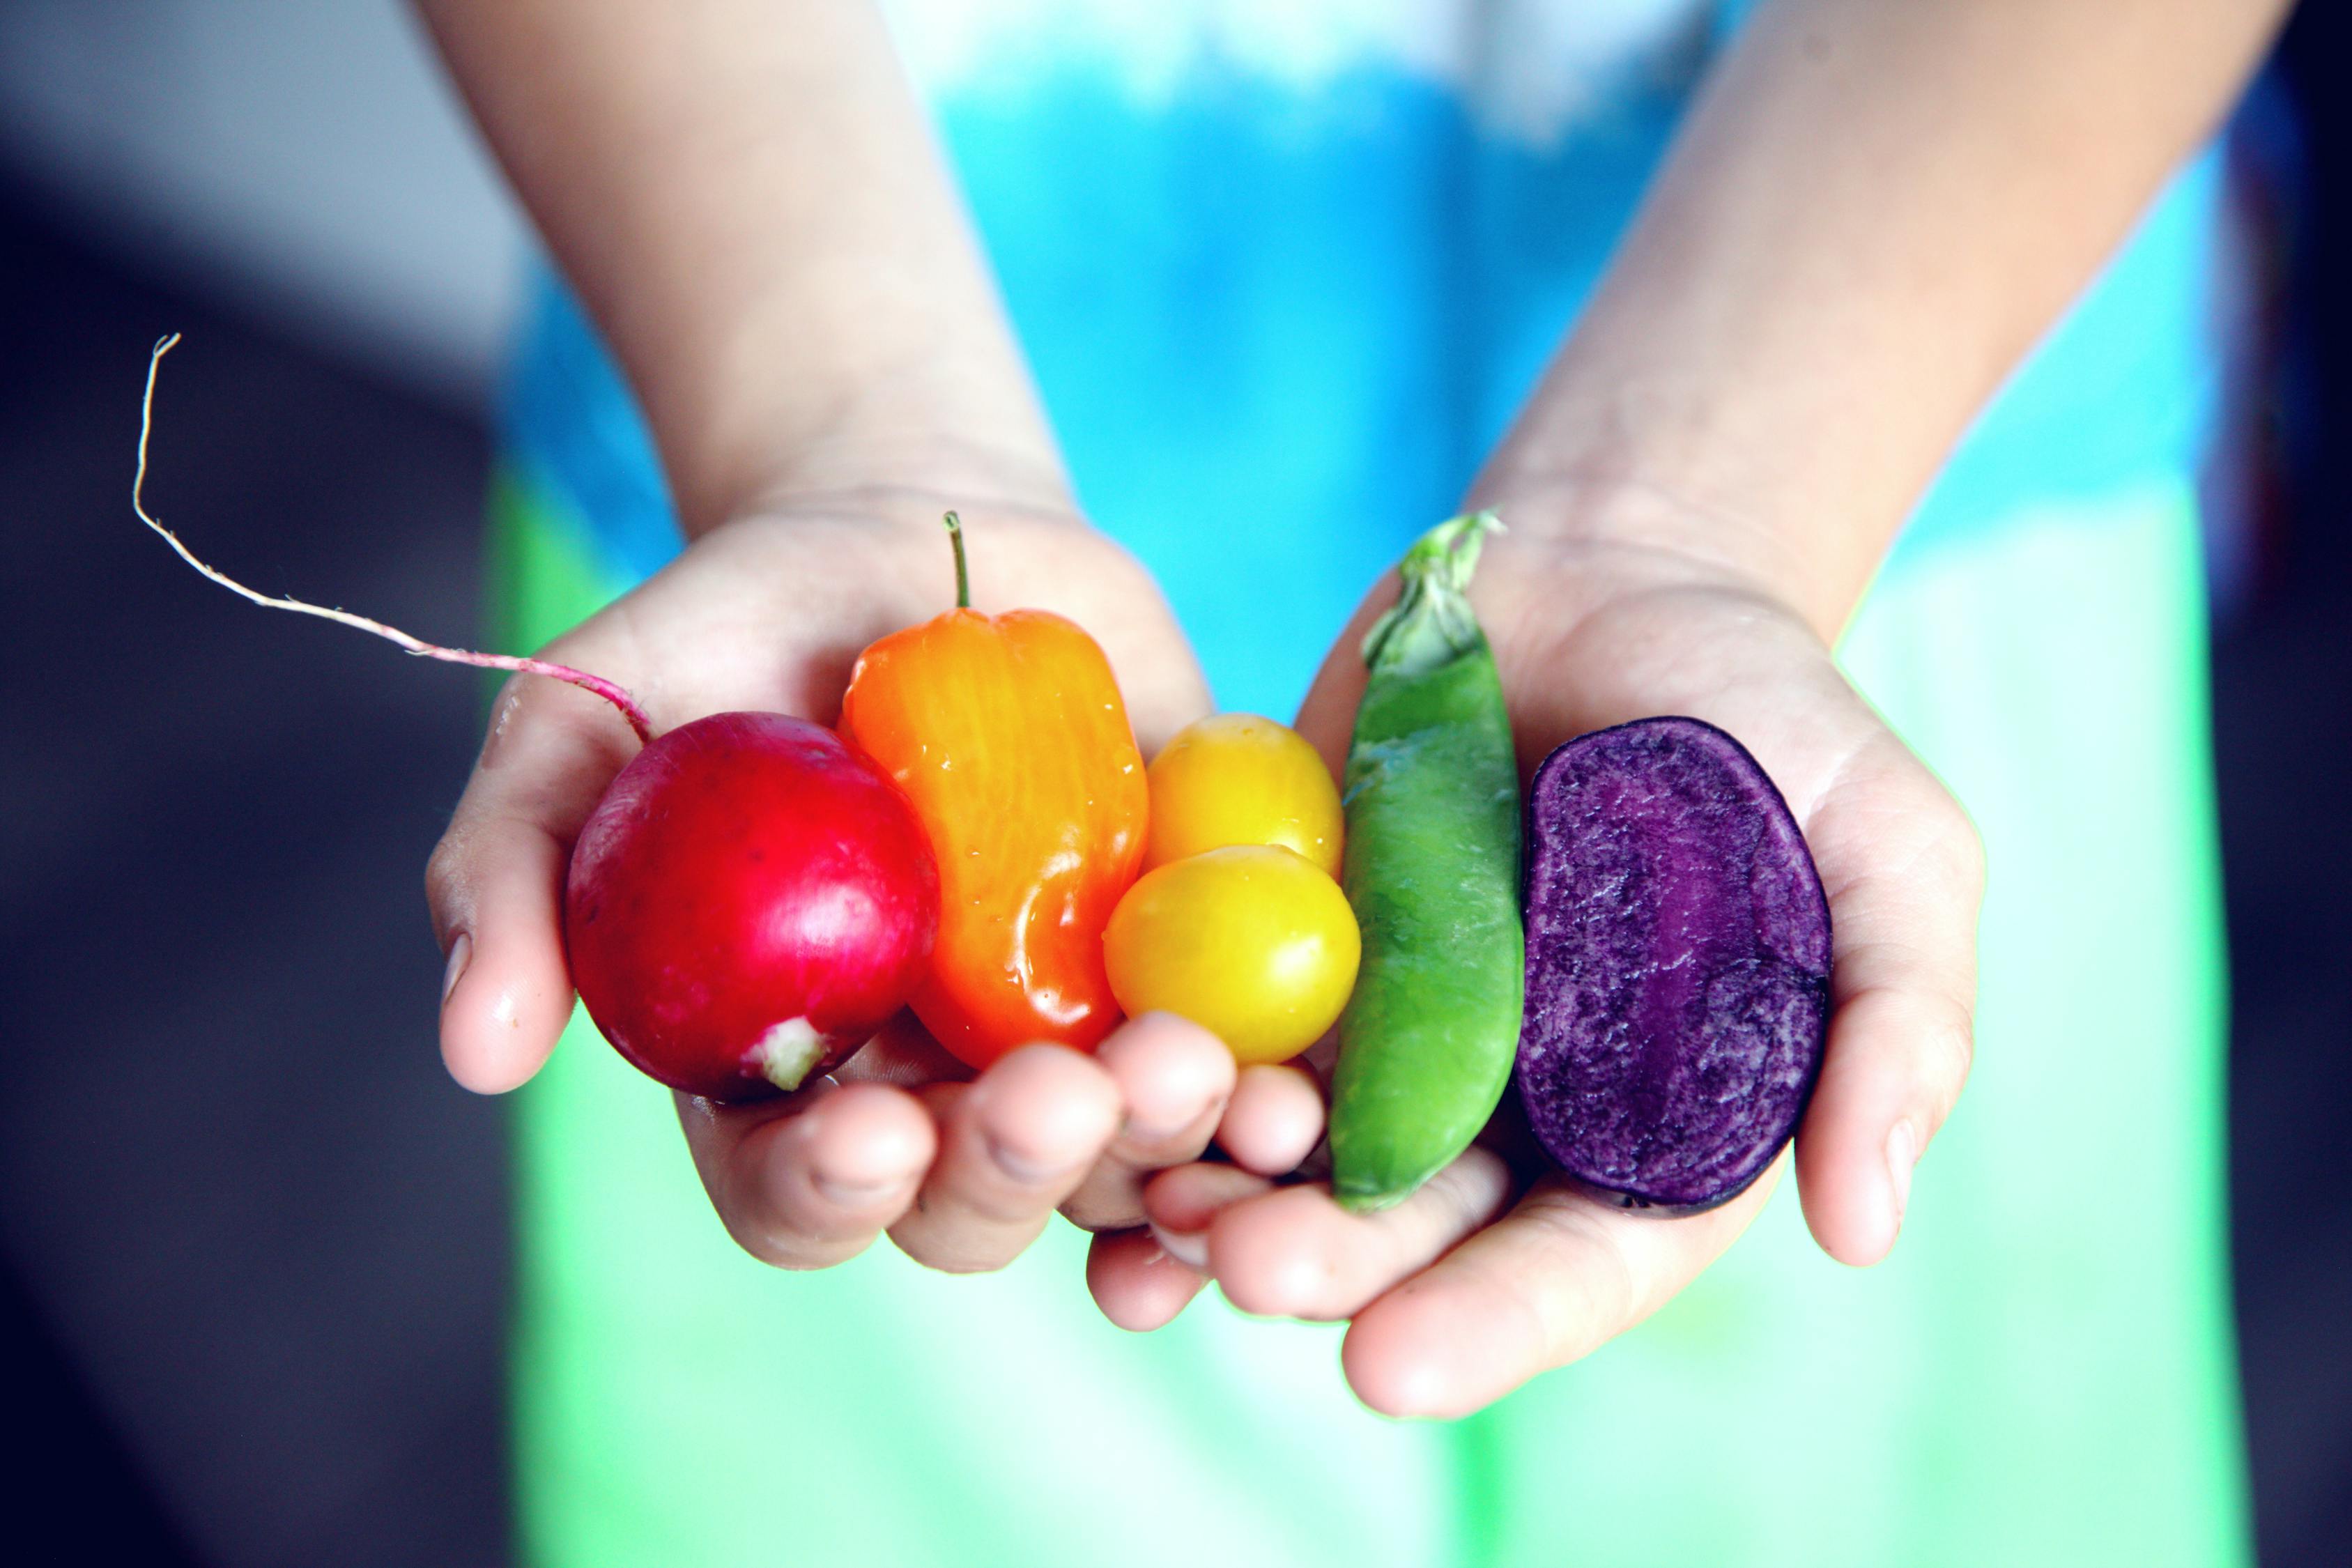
x,y
1279,329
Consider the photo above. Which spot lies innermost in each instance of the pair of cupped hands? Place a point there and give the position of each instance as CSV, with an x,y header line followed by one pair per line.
x,y
1184,1169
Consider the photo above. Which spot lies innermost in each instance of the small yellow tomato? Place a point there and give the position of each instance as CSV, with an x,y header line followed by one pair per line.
x,y
1251,942
1235,778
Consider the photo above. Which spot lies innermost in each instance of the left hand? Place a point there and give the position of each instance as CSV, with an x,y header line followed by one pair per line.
x,y
1484,1279
766,612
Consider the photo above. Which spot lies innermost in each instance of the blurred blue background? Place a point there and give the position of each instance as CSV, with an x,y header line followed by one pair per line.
x,y
253,1246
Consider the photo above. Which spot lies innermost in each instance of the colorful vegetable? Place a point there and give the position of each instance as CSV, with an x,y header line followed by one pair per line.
x,y
747,905
1250,941
1678,965
1235,778
1432,869
1008,734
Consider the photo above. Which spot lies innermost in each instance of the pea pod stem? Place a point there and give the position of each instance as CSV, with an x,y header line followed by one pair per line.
x,y
1431,620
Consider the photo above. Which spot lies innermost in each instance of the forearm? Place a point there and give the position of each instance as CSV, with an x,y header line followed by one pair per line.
x,y
1874,212
750,202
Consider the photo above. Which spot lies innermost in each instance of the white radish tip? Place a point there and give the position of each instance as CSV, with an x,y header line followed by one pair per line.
x,y
597,684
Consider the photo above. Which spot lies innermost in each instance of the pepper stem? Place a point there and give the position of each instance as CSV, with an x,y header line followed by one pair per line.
x,y
963,572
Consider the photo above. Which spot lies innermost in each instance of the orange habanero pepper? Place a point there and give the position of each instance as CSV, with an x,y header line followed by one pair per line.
x,y
1008,735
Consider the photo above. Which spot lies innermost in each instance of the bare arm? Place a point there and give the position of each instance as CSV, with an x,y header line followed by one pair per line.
x,y
1875,211
1877,207
749,199
749,202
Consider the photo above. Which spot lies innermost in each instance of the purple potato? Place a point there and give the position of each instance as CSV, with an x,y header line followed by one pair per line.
x,y
1678,965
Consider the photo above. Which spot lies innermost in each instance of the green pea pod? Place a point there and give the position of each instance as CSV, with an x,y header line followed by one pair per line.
x,y
1432,872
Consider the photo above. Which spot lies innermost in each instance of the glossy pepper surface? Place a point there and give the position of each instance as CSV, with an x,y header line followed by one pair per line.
x,y
1008,733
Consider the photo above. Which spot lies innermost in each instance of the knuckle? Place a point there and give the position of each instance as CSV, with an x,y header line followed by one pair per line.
x,y
762,1224
444,875
990,1206
1104,1211
1947,1051
778,1241
941,1250
1957,833
772,1245
1946,837
1466,1192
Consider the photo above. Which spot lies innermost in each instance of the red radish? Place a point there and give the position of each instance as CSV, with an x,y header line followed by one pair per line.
x,y
750,901
748,904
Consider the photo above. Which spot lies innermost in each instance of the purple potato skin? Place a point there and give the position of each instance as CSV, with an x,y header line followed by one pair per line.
x,y
1678,966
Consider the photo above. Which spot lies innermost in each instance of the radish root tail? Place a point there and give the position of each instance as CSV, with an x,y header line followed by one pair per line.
x,y
597,684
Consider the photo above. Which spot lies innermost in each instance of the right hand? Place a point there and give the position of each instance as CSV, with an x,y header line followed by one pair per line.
x,y
1498,1269
768,613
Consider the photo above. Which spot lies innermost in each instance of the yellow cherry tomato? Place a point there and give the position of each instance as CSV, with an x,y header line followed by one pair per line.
x,y
1235,778
1251,942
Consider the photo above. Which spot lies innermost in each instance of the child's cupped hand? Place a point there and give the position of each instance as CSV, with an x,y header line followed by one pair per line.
x,y
768,613
1494,1272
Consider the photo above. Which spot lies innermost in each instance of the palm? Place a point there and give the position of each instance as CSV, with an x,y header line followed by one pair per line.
x,y
1505,1283
769,612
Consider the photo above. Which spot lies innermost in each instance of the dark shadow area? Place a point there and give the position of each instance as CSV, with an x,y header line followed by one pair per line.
x,y
2283,743
261,1238
87,1499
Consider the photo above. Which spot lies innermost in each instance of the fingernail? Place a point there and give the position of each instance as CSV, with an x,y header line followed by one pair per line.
x,y
1902,1154
461,953
1191,1251
1025,1168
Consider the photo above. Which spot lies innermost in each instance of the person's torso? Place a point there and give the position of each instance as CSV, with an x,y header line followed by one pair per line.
x,y
1285,273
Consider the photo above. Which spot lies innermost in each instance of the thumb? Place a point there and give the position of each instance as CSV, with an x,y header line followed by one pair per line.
x,y
1905,874
495,882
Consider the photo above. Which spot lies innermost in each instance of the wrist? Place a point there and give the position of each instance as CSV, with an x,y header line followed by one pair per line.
x,y
916,475
1630,528
896,442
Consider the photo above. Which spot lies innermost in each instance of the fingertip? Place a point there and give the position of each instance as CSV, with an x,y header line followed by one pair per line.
x,y
1168,1071
1136,1283
494,883
1045,1108
1273,1256
1896,1064
1853,1198
1396,1366
810,1179
1274,1119
863,1141
1015,1144
506,989
501,1016
1053,1069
